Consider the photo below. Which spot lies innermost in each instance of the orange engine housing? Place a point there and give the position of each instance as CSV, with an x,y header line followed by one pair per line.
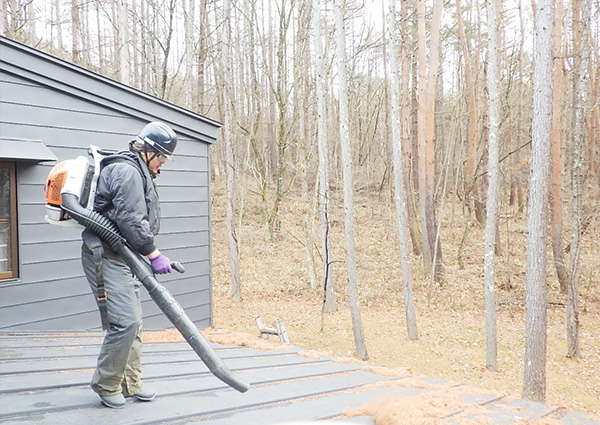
x,y
54,184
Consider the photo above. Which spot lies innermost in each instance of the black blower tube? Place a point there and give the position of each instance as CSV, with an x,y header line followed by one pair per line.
x,y
109,232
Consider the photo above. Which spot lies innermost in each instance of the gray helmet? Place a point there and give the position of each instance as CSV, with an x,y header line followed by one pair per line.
x,y
159,136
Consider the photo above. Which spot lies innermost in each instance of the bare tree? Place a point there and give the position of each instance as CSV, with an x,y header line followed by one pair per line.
x,y
144,47
281,91
471,184
432,256
534,386
400,196
202,54
492,198
157,20
123,58
302,102
594,122
188,25
581,28
359,338
165,43
329,302
18,21
135,45
556,183
252,124
57,19
594,101
227,133
409,154
516,187
3,17
75,35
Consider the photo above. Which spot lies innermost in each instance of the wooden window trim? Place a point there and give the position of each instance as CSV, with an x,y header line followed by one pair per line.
x,y
13,246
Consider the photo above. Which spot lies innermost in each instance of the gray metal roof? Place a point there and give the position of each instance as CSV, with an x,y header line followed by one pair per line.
x,y
44,380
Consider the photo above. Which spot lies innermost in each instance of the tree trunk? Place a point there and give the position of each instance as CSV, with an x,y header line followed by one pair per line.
x,y
75,36
166,47
470,183
123,57
145,49
517,187
135,46
188,25
302,101
421,142
432,258
57,18
282,137
492,197
534,385
557,156
406,126
202,55
594,125
359,338
255,111
227,133
329,302
400,196
581,28
4,17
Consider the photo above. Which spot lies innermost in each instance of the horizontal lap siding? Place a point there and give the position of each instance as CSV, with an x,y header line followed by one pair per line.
x,y
190,302
77,308
52,292
35,67
17,294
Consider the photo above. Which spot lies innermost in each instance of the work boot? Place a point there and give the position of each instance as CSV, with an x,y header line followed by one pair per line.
x,y
115,401
145,395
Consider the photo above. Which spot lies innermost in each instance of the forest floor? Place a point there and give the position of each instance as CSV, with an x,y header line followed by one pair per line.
x,y
450,317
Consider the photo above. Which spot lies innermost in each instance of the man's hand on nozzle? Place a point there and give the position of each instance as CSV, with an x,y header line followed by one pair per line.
x,y
161,264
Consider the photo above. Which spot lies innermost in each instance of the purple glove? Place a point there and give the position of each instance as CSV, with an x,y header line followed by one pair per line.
x,y
161,264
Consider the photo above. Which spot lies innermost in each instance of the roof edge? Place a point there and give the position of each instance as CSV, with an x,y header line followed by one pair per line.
x,y
102,96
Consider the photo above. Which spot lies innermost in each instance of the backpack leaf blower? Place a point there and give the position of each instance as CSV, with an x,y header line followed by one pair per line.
x,y
70,190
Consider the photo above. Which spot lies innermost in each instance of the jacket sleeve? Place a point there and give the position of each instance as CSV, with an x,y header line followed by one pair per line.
x,y
130,211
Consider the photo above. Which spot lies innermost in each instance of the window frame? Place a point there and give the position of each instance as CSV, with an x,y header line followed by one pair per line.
x,y
12,244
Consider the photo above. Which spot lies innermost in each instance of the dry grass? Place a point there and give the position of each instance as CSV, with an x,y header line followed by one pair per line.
x,y
450,318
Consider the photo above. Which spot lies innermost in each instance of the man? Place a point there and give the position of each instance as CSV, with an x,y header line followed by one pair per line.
x,y
126,194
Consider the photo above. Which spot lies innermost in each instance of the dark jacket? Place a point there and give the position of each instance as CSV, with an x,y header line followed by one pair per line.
x,y
126,194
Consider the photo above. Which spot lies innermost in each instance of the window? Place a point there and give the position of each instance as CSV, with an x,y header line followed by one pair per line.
x,y
8,222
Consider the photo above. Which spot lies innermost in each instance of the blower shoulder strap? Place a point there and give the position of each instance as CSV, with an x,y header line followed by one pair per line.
x,y
124,159
92,242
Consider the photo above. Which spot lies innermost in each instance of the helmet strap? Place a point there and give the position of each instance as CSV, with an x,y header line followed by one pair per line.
x,y
147,159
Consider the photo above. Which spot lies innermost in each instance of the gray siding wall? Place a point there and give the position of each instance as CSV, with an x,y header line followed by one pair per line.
x,y
52,292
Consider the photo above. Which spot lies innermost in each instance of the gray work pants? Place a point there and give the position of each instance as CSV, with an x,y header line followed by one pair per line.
x,y
119,365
